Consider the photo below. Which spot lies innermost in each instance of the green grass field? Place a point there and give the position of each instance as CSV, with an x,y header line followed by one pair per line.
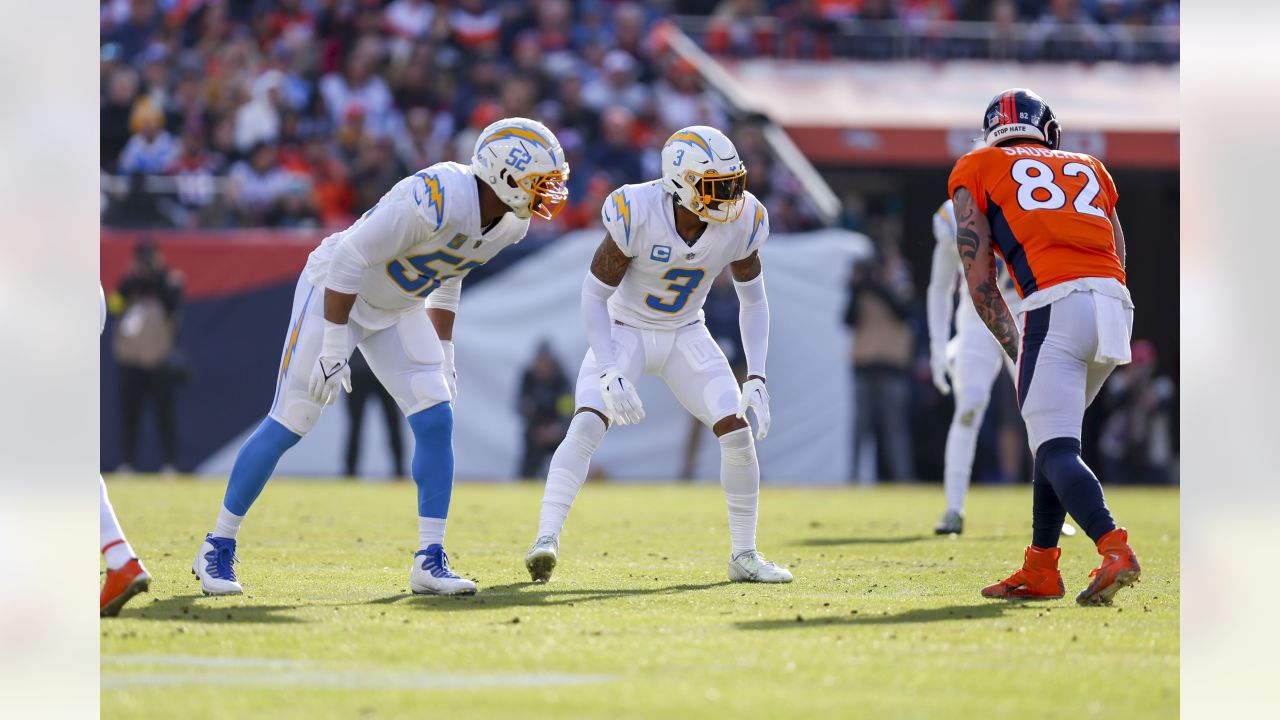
x,y
883,620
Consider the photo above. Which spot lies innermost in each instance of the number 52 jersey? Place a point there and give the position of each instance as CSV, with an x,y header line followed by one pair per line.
x,y
1049,211
424,231
668,280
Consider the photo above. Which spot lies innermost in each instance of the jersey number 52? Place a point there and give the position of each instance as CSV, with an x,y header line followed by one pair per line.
x,y
420,278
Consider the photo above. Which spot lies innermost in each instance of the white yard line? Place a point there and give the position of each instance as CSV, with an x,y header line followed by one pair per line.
x,y
247,672
206,661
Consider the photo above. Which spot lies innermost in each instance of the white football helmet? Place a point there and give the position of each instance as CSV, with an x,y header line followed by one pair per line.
x,y
524,164
701,167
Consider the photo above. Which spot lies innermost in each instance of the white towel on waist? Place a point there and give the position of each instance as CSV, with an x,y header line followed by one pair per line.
x,y
1113,330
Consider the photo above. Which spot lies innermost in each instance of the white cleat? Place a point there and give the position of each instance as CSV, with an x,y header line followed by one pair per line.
x,y
212,566
431,575
750,566
541,558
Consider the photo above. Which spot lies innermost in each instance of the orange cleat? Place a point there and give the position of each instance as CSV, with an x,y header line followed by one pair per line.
x,y
1038,579
1119,569
121,585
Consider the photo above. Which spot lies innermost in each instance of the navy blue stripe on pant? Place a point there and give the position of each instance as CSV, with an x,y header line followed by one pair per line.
x,y
1035,328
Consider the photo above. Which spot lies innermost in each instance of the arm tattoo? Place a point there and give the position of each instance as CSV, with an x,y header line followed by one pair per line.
x,y
973,240
746,269
609,263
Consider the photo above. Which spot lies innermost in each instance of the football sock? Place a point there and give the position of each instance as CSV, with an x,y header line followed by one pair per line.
x,y
115,549
740,479
254,464
1047,512
962,440
432,465
569,465
228,525
1076,485
430,532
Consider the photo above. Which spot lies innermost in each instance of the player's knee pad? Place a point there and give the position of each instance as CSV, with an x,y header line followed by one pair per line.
x,y
970,407
298,413
738,447
586,430
429,388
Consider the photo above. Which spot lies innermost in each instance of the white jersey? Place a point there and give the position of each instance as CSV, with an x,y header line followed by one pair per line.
x,y
435,236
668,280
948,274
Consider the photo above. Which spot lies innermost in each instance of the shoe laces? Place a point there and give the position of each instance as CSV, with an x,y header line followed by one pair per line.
x,y
220,560
436,562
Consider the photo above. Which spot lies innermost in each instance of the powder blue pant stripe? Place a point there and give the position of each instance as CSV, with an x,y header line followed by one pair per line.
x,y
433,459
255,462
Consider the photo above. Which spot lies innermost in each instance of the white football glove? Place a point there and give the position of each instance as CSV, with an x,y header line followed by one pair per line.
x,y
450,370
621,401
333,368
755,396
940,366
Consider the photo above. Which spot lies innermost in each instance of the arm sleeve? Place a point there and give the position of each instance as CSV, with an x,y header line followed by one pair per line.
x,y
595,317
446,296
375,239
753,320
943,278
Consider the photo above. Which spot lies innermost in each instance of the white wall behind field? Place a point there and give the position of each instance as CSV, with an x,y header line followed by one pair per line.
x,y
502,320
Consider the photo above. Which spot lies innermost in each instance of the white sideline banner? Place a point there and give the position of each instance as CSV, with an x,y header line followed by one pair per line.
x,y
502,320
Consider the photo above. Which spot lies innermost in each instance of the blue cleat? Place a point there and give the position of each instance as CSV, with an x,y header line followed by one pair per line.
x,y
213,566
431,575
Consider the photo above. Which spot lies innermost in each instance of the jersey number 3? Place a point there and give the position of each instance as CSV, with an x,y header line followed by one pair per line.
x,y
683,282
1051,196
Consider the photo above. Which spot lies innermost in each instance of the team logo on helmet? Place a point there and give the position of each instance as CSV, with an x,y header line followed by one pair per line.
x,y
522,161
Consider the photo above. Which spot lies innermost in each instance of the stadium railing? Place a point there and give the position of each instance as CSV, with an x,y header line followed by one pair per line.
x,y
817,38
817,191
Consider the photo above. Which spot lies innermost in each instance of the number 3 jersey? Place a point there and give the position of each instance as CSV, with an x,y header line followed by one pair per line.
x,y
424,231
667,281
1049,212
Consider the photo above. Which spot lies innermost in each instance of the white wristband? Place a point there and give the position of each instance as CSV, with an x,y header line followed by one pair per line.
x,y
337,341
447,346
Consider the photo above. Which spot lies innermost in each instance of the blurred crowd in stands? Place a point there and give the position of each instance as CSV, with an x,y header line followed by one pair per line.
x,y
301,113
1020,30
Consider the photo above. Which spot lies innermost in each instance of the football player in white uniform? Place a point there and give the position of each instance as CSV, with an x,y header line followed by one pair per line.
x,y
666,241
389,284
967,363
126,576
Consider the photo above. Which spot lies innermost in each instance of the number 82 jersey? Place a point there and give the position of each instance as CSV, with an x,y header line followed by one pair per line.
x,y
668,280
1049,211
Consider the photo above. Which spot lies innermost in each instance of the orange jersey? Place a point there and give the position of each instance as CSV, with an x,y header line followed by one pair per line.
x,y
1049,211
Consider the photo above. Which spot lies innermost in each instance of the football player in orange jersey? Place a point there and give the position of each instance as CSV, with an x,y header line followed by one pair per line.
x,y
1051,216
126,576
